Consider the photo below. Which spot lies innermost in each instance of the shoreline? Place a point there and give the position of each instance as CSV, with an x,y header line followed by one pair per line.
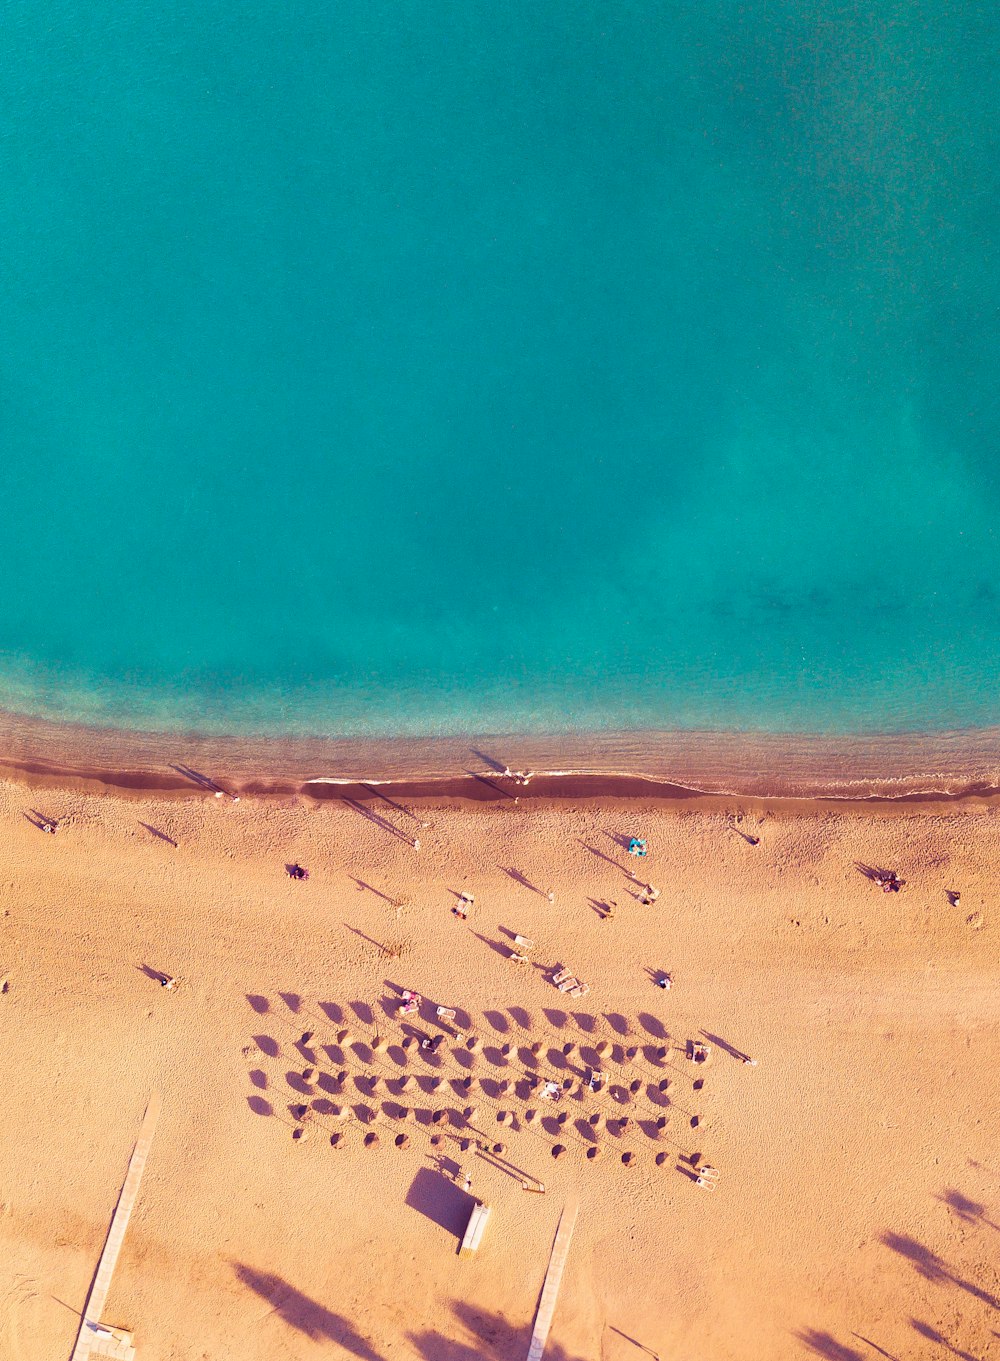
x,y
641,764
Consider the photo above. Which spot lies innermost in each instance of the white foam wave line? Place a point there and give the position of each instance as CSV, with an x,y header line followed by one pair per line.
x,y
844,789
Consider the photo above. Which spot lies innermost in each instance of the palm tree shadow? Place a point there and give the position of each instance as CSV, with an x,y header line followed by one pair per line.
x,y
305,1315
485,1334
827,1346
929,1265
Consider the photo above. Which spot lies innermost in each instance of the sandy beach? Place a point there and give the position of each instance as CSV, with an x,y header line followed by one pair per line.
x,y
855,1213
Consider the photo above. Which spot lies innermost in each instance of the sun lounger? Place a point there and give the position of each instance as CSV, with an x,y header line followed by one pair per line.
x,y
446,1013
516,958
568,984
524,942
580,990
560,975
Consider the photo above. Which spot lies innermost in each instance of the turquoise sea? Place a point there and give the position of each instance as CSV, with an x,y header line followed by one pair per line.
x,y
445,366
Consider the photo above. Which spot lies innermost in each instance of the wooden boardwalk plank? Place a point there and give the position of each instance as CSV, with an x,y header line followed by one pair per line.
x,y
553,1279
116,1234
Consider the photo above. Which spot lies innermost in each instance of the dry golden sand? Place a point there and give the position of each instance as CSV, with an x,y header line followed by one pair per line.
x,y
858,1205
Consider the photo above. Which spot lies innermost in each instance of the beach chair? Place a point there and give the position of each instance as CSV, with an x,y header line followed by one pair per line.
x,y
516,958
560,975
580,990
446,1013
524,942
568,984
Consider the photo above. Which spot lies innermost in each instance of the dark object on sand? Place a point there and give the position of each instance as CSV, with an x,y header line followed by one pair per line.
x,y
953,896
887,880
296,872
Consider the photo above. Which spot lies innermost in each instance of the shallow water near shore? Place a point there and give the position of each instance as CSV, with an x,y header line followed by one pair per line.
x,y
404,370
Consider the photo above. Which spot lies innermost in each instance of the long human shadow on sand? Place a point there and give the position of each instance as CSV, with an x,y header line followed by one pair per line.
x,y
305,1315
486,1334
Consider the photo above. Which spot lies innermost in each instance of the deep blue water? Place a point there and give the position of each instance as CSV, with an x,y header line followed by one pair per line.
x,y
417,367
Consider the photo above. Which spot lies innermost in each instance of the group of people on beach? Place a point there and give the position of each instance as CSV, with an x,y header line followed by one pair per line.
x,y
887,880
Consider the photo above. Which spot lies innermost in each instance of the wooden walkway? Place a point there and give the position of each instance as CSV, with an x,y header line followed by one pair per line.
x,y
553,1279
91,1335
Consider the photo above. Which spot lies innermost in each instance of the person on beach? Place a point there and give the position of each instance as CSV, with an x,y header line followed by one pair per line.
x,y
650,896
297,872
416,843
464,906
551,896
749,1062
409,1003
609,911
